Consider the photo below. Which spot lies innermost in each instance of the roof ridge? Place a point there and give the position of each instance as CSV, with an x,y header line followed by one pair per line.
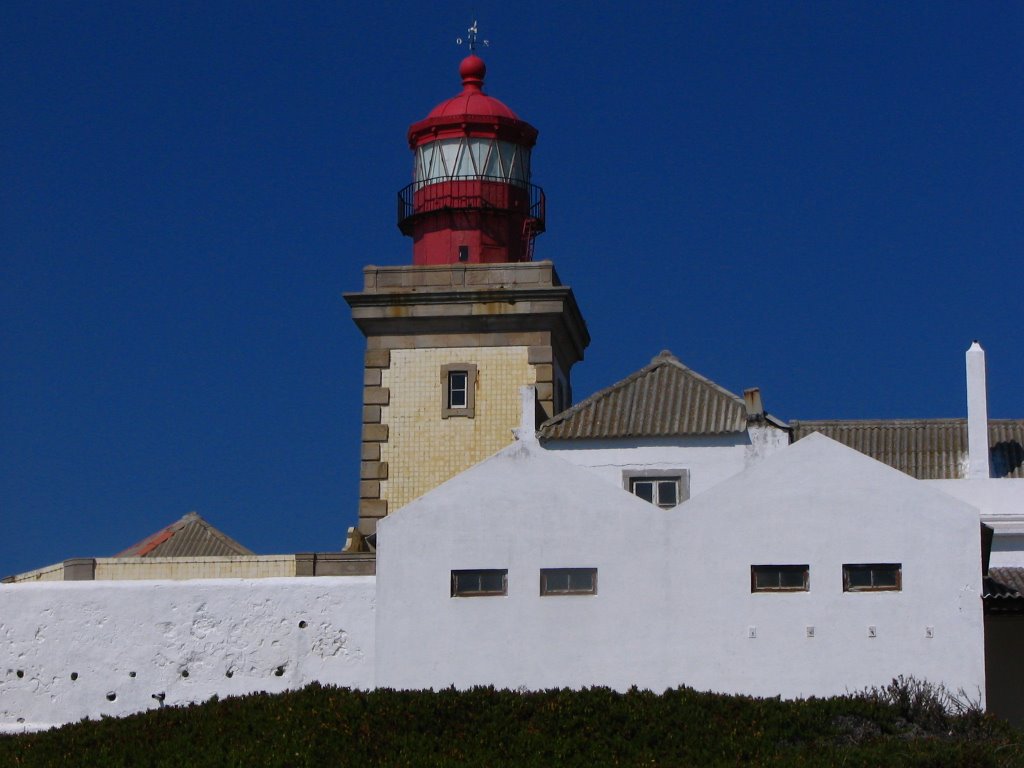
x,y
665,397
161,536
657,361
665,357
931,420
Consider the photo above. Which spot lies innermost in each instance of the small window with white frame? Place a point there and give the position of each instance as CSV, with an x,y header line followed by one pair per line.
x,y
872,577
457,389
568,581
664,490
780,578
480,582
458,382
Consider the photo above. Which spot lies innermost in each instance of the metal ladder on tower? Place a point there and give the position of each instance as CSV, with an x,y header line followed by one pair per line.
x,y
529,235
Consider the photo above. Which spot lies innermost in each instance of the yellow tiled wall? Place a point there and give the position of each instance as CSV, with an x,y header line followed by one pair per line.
x,y
49,573
240,567
423,449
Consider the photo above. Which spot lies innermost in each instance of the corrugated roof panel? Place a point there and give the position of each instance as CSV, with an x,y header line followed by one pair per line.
x,y
191,536
1007,581
662,399
928,449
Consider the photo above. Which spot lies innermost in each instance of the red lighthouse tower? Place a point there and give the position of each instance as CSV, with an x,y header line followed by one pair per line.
x,y
453,337
471,199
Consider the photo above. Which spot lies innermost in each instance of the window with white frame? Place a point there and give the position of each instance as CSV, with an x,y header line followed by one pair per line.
x,y
480,582
664,490
780,578
568,581
872,577
458,382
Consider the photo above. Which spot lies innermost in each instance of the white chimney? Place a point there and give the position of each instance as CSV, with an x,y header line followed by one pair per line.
x,y
977,414
527,430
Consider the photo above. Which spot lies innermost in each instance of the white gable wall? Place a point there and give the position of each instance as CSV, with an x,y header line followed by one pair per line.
x,y
823,504
523,509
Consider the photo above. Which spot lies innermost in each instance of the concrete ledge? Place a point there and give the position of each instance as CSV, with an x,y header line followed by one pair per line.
x,y
445,276
335,564
80,569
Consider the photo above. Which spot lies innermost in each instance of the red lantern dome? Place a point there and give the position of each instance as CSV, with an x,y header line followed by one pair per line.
x,y
471,199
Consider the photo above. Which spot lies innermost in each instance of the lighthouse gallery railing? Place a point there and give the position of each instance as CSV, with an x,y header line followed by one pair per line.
x,y
472,193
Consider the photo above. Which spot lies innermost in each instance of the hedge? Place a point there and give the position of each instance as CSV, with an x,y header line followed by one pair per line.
x,y
906,724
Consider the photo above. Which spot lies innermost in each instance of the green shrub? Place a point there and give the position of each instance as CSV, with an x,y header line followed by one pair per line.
x,y
904,724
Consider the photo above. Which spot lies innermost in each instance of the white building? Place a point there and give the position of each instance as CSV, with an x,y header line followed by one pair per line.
x,y
813,572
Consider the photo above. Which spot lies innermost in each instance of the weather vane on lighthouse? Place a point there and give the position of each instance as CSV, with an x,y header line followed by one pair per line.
x,y
471,39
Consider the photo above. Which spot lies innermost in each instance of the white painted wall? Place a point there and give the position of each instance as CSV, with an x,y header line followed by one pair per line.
x,y
523,509
823,504
102,632
1001,503
674,603
709,459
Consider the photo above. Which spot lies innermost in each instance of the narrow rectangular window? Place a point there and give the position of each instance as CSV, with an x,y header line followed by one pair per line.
x,y
457,381
873,577
780,578
568,581
485,582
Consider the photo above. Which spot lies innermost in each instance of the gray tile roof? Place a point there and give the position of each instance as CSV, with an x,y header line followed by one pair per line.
x,y
1005,582
191,536
928,449
1003,590
662,399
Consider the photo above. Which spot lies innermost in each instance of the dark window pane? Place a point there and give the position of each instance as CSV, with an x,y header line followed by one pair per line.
x,y
492,581
581,581
858,578
557,581
885,576
765,578
644,489
467,582
457,386
667,493
791,578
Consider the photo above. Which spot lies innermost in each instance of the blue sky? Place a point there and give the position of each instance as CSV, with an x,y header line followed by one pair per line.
x,y
821,199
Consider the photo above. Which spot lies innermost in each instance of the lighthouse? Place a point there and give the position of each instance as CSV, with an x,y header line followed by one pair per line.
x,y
471,199
453,336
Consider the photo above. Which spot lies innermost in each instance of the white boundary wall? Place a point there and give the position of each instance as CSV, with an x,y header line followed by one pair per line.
x,y
70,650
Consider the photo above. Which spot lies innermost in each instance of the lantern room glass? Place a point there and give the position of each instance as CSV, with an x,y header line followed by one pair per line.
x,y
472,158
